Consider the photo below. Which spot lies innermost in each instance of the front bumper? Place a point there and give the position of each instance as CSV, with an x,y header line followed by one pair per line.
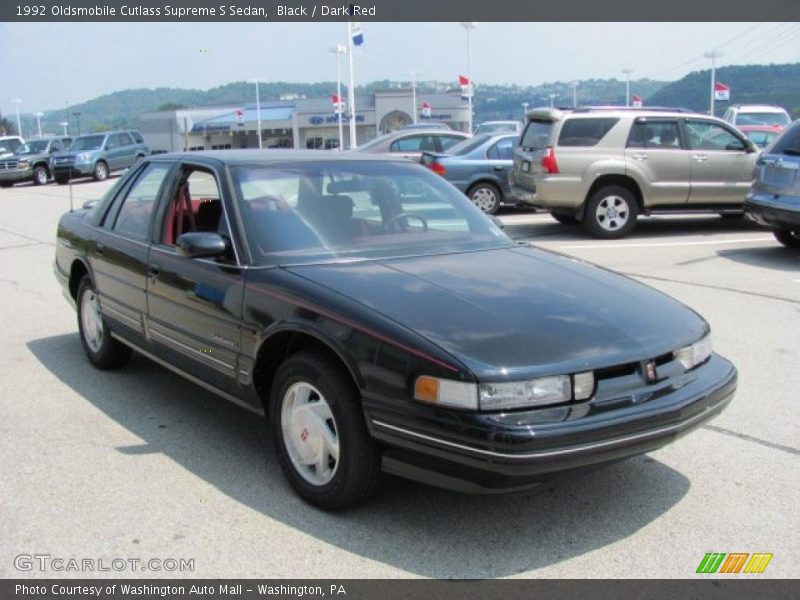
x,y
509,452
73,170
777,212
16,175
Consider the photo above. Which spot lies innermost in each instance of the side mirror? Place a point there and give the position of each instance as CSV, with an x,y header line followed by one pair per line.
x,y
201,244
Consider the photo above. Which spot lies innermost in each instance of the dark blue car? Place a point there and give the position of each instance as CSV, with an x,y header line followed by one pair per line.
x,y
479,167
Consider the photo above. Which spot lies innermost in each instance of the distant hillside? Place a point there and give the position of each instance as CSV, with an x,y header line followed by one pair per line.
x,y
750,84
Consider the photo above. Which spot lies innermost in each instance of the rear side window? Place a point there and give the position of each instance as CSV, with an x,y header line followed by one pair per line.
x,y
585,132
788,142
536,135
137,137
655,134
133,219
414,143
502,150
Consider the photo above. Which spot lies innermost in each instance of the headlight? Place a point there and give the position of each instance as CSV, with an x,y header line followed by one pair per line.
x,y
531,393
696,354
84,157
24,164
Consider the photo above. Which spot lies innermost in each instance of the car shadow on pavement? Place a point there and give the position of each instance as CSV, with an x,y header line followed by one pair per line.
x,y
772,257
655,227
419,529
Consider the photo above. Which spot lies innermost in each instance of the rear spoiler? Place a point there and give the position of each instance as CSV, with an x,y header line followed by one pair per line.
x,y
429,157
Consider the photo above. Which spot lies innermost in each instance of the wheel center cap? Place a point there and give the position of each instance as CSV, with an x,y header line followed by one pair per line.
x,y
611,213
307,438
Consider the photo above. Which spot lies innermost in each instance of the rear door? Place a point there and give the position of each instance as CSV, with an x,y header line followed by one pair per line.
x,y
722,163
657,157
500,161
528,154
119,253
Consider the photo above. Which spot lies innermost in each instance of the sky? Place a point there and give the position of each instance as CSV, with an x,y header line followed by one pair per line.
x,y
46,65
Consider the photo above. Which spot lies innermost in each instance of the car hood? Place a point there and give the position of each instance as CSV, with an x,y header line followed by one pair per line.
x,y
517,312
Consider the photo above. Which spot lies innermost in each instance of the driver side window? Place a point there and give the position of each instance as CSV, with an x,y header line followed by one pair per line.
x,y
705,135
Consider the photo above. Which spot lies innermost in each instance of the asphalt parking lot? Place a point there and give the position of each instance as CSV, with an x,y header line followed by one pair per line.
x,y
141,464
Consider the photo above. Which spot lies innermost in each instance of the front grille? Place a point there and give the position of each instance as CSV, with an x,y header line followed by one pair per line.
x,y
8,165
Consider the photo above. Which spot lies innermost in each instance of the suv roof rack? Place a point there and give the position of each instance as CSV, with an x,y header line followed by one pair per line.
x,y
585,109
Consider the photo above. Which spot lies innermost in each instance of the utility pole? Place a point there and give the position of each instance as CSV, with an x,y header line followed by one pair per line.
x,y
713,55
77,116
17,102
413,75
552,100
525,106
338,50
469,26
627,72
258,110
352,94
39,116
574,94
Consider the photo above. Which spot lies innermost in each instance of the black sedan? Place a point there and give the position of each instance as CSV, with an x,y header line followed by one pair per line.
x,y
381,322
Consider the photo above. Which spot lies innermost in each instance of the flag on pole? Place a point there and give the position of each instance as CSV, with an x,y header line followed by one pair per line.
x,y
356,34
463,81
338,104
426,110
240,116
636,101
721,91
466,87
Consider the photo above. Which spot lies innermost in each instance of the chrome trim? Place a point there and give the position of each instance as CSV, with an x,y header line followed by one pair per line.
x,y
192,378
707,413
113,312
181,346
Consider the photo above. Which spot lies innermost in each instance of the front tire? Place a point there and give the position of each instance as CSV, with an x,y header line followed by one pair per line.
x,y
100,172
103,351
40,175
788,237
611,212
485,196
319,432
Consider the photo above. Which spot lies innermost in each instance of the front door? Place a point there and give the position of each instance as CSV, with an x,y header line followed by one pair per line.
x,y
194,305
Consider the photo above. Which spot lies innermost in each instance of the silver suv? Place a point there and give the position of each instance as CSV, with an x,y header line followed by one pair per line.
x,y
605,167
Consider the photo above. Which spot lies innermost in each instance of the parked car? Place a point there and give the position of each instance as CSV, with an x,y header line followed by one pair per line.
x,y
478,166
761,135
32,161
606,167
757,114
381,321
9,144
412,143
99,154
427,125
775,198
498,127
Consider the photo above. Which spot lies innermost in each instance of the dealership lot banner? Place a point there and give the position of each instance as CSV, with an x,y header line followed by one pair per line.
x,y
408,10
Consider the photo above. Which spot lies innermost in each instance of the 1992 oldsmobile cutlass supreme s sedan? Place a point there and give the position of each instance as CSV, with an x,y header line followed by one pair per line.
x,y
381,322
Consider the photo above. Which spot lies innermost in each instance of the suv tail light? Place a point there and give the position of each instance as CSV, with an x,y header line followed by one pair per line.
x,y
437,168
549,164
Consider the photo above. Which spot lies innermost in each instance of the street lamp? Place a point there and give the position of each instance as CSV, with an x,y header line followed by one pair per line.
x,y
469,26
713,55
413,75
258,110
338,50
39,116
17,102
64,124
525,106
552,99
574,94
627,72
77,116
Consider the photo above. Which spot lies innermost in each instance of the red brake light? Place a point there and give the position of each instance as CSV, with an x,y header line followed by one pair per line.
x,y
549,164
437,168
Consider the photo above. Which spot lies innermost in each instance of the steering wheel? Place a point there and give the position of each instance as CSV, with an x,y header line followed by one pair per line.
x,y
396,218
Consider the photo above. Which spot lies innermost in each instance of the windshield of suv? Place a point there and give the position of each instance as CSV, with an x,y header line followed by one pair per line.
x,y
333,210
90,142
35,147
771,119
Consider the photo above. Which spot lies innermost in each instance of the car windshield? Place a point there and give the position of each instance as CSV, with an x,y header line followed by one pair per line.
x,y
495,128
344,210
468,145
772,119
90,142
34,147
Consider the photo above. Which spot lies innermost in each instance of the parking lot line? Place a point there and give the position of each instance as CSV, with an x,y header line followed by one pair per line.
x,y
664,244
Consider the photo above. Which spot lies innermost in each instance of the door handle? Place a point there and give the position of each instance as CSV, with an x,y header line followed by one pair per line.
x,y
639,156
499,168
99,248
699,157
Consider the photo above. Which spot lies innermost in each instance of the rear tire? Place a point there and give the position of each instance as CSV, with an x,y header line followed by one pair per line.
x,y
486,196
611,212
788,237
319,432
565,219
40,175
103,351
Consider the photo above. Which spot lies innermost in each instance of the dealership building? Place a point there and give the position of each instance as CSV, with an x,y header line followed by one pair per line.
x,y
296,123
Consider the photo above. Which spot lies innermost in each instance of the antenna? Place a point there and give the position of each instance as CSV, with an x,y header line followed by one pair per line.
x,y
71,207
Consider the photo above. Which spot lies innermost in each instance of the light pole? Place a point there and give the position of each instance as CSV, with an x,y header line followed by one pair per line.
x,y
627,72
525,106
39,116
338,50
352,95
258,110
17,102
413,75
552,100
713,55
65,124
574,94
469,26
77,116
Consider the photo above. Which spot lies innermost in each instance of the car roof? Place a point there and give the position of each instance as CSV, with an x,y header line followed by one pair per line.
x,y
558,114
248,156
498,122
759,108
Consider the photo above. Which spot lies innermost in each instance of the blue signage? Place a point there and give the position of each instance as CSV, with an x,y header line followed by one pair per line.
x,y
332,119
